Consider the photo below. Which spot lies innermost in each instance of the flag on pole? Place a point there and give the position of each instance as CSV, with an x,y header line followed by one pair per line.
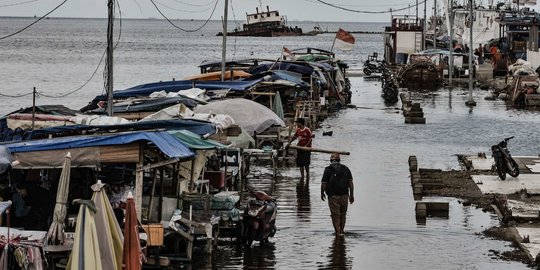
x,y
344,40
286,53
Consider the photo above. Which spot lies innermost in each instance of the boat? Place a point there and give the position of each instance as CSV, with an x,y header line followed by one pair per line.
x,y
267,23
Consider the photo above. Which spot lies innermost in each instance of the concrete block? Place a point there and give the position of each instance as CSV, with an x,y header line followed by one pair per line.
x,y
421,210
418,189
414,114
415,120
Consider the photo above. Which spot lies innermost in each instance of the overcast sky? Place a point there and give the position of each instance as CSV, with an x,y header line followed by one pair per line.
x,y
304,10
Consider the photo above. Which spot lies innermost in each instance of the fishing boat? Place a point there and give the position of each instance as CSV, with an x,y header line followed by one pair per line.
x,y
267,23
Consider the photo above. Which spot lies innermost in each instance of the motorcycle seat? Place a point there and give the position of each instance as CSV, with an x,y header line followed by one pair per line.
x,y
262,196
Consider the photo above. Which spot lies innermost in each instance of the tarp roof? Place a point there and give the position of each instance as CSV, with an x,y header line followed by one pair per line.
x,y
166,143
175,86
194,141
196,126
248,114
302,69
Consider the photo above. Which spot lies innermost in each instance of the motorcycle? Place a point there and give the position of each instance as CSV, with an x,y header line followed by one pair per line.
x,y
375,66
259,219
504,163
389,87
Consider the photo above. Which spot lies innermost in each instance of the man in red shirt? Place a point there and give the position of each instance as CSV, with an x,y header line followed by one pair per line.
x,y
303,158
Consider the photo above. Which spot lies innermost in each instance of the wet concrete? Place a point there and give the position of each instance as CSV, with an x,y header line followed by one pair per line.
x,y
381,231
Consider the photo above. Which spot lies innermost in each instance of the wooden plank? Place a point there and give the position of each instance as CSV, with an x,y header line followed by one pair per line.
x,y
119,154
311,149
158,164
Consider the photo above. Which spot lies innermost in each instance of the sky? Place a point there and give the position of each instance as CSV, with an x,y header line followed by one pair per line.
x,y
295,10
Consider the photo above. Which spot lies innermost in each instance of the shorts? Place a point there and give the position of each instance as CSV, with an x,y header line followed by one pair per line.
x,y
338,204
303,158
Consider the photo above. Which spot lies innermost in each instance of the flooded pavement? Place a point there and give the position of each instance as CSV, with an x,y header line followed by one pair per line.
x,y
381,231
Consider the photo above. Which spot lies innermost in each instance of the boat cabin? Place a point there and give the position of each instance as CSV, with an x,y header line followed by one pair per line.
x,y
404,37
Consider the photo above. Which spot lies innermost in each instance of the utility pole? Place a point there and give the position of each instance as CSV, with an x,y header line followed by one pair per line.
x,y
450,42
224,45
110,5
471,101
416,11
424,26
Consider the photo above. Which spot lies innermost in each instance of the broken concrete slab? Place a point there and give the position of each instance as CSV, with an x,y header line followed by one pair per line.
x,y
490,184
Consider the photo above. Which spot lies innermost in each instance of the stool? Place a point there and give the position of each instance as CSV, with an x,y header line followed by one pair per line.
x,y
205,183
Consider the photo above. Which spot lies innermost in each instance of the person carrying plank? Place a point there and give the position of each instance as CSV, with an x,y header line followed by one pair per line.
x,y
303,158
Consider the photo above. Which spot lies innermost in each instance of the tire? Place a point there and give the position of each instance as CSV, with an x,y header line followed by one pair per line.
x,y
501,168
514,168
367,71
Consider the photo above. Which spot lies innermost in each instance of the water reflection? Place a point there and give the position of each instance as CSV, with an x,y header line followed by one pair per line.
x,y
303,202
337,255
260,256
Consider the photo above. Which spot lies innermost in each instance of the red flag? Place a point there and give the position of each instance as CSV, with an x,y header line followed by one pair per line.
x,y
287,53
344,40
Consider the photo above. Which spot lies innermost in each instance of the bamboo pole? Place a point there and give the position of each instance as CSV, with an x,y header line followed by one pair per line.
x,y
310,149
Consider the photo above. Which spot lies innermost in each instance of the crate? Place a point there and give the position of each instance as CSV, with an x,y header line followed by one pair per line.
x,y
155,234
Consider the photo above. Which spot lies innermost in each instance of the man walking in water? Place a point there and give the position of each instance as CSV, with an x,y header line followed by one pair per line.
x,y
337,184
303,158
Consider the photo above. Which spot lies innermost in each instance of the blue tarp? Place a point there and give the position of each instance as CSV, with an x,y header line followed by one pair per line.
x,y
195,126
167,143
175,86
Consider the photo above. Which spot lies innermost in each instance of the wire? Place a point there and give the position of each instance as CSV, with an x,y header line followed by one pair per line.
x,y
28,26
183,10
178,27
367,11
20,3
16,96
76,90
194,5
98,65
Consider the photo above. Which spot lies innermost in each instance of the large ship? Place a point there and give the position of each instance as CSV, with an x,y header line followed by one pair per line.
x,y
267,23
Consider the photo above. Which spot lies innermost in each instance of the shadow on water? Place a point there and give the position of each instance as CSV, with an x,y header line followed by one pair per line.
x,y
337,255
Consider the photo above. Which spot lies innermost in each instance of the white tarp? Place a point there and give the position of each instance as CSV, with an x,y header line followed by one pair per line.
x,y
94,120
194,93
180,111
250,115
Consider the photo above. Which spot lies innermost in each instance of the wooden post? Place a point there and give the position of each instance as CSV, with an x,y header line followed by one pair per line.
x,y
192,184
33,108
160,203
139,177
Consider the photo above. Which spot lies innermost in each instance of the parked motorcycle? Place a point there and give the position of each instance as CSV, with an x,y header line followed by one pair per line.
x,y
259,219
375,66
389,87
504,162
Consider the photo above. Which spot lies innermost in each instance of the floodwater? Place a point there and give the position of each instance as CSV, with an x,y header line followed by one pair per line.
x,y
381,231
59,55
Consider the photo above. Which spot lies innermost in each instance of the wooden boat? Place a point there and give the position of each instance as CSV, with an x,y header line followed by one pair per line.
x,y
267,23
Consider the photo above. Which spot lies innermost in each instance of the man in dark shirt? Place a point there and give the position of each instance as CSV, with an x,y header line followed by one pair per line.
x,y
337,184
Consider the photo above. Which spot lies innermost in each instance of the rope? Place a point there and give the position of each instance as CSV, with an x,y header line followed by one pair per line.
x,y
180,28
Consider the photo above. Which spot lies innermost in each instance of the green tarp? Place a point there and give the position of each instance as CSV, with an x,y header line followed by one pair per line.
x,y
194,141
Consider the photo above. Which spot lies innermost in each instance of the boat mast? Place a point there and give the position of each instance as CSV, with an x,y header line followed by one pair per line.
x,y
109,65
224,45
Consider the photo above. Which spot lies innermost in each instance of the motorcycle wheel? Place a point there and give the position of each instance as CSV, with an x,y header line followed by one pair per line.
x,y
514,168
501,169
367,71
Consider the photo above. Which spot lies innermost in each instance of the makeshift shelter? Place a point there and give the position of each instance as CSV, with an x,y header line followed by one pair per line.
x,y
147,150
55,234
86,253
250,115
110,236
